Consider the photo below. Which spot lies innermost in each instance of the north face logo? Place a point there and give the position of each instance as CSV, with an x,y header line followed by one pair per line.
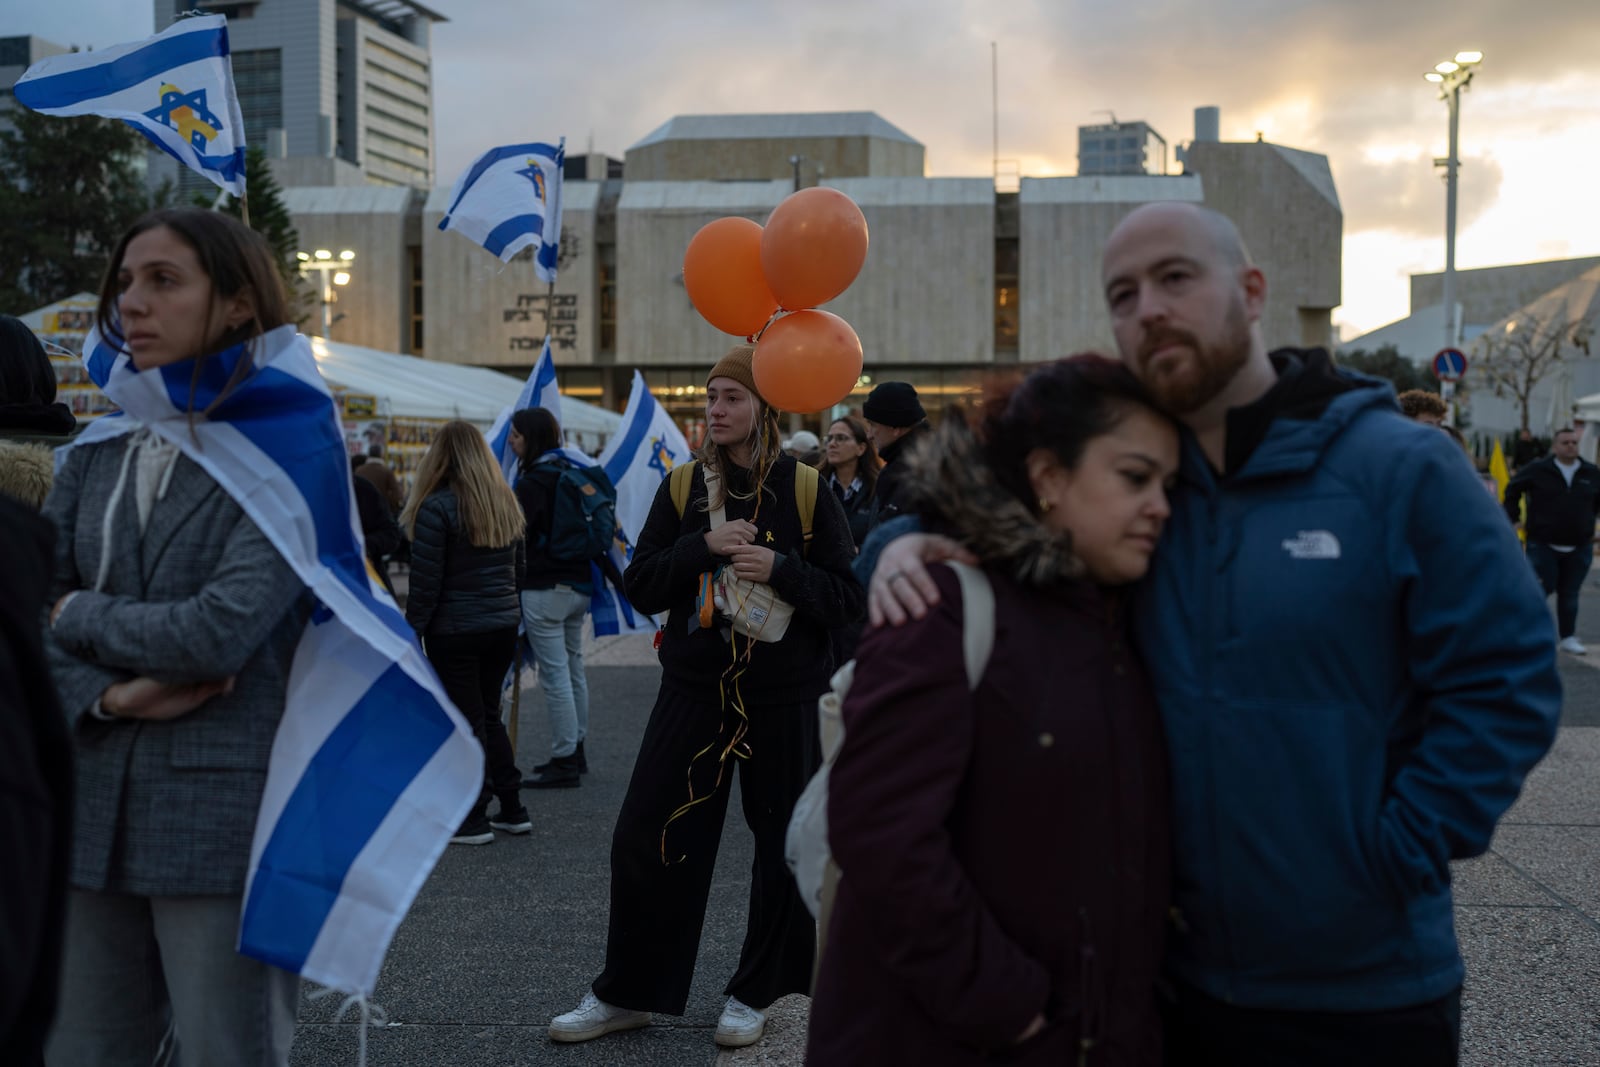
x,y
1312,544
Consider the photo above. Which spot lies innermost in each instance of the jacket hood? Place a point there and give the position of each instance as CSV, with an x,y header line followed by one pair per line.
x,y
1288,429
26,471
948,479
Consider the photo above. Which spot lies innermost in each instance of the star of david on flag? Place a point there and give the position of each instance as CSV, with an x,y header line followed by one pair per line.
x,y
510,198
638,457
176,88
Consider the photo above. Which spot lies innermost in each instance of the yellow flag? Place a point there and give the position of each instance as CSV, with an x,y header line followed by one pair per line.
x,y
1497,470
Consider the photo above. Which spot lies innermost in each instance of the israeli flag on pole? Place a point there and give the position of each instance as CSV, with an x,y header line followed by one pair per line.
x,y
642,453
636,459
176,88
510,199
539,391
372,768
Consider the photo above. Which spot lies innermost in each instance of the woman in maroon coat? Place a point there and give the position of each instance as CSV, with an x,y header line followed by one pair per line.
x,y
1005,851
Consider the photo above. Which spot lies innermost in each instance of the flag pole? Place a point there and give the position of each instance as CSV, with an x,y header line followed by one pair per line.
x,y
244,209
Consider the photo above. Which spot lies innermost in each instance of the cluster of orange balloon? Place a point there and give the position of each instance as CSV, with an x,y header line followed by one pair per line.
x,y
739,275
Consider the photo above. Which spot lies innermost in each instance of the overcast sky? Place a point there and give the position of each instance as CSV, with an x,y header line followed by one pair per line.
x,y
1341,77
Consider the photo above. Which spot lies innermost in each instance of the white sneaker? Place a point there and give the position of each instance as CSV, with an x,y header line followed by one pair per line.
x,y
740,1024
594,1018
1573,645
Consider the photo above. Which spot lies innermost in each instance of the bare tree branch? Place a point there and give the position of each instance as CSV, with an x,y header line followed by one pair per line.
x,y
1514,358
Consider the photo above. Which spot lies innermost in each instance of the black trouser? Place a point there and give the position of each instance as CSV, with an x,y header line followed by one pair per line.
x,y
1562,573
658,908
1202,1031
473,668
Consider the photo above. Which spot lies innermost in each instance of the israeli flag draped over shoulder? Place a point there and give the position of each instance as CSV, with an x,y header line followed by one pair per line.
x,y
637,458
176,88
509,199
372,767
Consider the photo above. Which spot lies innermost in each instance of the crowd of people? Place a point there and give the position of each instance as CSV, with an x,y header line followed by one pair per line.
x,y
1198,806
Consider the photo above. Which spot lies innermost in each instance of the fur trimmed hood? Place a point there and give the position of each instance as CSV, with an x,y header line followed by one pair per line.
x,y
26,471
948,479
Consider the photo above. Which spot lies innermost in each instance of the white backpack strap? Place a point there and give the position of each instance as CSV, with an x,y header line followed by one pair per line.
x,y
977,619
720,515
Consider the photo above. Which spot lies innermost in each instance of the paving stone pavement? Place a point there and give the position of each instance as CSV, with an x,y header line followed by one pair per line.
x,y
503,937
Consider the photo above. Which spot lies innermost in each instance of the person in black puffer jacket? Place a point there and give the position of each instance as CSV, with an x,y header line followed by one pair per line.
x,y
467,558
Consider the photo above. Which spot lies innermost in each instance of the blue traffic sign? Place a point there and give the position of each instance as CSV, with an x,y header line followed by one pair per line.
x,y
1449,365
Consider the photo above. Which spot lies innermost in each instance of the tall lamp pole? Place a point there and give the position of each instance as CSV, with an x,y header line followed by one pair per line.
x,y
332,272
1452,76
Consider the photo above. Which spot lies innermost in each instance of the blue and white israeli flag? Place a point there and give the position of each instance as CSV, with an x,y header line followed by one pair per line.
x,y
176,88
539,391
509,199
636,459
372,768
644,450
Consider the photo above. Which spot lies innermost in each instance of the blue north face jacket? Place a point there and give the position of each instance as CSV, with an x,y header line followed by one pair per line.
x,y
1356,670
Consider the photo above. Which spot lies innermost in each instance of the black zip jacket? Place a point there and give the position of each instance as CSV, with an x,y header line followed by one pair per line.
x,y
457,588
672,554
1558,514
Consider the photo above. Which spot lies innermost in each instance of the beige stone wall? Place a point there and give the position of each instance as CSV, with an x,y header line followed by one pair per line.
x,y
376,303
926,292
1489,294
657,325
1283,202
1064,225
759,158
480,311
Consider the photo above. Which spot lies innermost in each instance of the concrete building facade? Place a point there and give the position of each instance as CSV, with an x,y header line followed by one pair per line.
x,y
337,92
17,54
959,279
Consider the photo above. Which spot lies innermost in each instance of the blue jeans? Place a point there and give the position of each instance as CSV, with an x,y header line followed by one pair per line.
x,y
553,619
1562,573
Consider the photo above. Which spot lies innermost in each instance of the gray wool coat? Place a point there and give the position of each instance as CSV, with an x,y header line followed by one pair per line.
x,y
168,808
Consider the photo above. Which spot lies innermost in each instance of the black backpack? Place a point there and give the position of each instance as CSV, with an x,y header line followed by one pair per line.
x,y
583,512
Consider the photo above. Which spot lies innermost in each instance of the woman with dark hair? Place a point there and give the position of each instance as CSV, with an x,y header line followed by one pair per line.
x,y
850,471
736,690
1004,854
174,624
466,563
555,597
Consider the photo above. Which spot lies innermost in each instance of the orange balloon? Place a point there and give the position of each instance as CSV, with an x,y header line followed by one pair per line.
x,y
813,247
722,272
807,361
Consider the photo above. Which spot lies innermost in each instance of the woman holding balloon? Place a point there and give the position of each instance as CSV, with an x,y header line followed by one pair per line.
x,y
741,674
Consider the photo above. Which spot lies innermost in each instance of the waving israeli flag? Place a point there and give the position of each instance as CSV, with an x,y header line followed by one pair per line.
x,y
642,453
636,459
509,199
176,88
372,768
539,391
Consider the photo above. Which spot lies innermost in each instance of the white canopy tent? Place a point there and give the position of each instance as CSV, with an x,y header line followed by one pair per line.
x,y
408,387
402,386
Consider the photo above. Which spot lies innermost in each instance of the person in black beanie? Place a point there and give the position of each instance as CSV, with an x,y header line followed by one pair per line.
x,y
31,422
28,386
895,421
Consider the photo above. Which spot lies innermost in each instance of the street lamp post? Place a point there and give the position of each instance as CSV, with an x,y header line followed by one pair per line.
x,y
333,272
1452,76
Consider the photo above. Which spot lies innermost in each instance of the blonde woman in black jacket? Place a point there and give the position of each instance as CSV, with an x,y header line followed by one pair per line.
x,y
466,532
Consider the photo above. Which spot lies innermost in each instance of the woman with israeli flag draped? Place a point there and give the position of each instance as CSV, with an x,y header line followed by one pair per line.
x,y
174,625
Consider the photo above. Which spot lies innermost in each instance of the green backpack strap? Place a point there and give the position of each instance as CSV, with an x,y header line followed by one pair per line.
x,y
806,481
681,480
